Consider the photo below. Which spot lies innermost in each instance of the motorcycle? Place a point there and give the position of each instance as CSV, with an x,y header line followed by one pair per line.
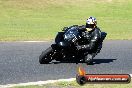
x,y
65,44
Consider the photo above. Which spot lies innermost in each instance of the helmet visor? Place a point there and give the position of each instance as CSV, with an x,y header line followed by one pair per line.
x,y
90,25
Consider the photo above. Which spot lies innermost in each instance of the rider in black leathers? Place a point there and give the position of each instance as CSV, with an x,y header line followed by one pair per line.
x,y
92,34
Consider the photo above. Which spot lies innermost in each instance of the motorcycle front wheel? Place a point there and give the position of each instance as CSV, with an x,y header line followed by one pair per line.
x,y
46,56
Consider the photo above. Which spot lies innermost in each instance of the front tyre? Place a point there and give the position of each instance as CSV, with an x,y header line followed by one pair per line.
x,y
46,56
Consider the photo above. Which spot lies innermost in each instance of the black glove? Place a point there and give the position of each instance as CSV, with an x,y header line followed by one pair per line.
x,y
65,28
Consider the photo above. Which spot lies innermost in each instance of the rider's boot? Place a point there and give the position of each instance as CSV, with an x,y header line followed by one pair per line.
x,y
89,58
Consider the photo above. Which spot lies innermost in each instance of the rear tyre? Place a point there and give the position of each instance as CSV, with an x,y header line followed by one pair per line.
x,y
46,56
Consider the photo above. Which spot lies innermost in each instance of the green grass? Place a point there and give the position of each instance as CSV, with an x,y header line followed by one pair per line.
x,y
75,85
42,19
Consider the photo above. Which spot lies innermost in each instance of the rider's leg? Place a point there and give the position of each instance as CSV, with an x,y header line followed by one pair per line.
x,y
91,54
89,57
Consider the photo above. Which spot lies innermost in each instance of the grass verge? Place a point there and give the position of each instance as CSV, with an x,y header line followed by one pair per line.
x,y
73,84
42,19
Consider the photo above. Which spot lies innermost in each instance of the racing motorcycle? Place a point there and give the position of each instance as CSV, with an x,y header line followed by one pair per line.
x,y
65,44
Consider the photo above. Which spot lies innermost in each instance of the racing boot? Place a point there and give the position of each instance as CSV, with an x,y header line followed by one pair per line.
x,y
89,58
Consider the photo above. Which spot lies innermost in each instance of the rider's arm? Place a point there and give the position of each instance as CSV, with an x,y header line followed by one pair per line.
x,y
93,41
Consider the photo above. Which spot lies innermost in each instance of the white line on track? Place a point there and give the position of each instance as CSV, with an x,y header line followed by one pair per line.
x,y
40,82
26,41
31,41
37,83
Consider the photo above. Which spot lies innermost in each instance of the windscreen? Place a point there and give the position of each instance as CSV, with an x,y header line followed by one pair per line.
x,y
71,34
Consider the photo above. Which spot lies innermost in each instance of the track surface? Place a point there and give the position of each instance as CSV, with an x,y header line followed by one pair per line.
x,y
19,62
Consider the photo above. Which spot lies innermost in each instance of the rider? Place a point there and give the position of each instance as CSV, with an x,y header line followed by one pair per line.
x,y
93,34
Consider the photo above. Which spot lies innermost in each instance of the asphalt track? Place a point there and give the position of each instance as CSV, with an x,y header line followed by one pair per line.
x,y
19,62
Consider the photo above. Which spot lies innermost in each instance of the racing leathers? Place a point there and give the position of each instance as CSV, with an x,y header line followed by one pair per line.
x,y
92,37
94,43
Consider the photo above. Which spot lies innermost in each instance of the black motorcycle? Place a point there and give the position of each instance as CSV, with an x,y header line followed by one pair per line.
x,y
65,44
